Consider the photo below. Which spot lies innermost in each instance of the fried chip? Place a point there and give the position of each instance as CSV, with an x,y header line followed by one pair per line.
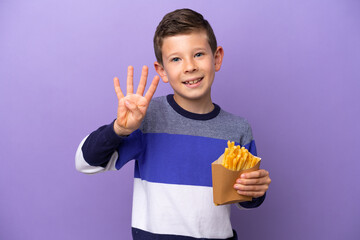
x,y
236,158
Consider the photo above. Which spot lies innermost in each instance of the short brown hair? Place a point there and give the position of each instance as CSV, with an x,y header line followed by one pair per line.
x,y
178,22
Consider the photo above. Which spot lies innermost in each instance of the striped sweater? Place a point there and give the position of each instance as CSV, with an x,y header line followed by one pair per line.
x,y
173,151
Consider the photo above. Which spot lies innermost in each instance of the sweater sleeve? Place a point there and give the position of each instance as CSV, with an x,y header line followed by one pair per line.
x,y
104,150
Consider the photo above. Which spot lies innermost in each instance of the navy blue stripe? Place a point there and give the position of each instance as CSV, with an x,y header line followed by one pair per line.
x,y
139,234
256,202
187,114
100,145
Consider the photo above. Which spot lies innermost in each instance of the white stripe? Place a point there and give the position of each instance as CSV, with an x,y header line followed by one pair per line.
x,y
179,210
82,166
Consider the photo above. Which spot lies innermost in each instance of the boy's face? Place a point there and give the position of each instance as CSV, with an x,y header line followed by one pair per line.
x,y
189,66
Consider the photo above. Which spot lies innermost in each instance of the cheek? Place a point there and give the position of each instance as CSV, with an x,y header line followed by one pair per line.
x,y
211,69
172,72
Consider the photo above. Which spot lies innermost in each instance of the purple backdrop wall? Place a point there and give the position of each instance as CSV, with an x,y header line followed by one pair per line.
x,y
291,68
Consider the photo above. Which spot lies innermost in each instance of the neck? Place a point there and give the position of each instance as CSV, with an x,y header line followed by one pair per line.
x,y
199,106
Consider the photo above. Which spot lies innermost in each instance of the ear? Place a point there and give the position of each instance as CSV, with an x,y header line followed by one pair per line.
x,y
218,56
161,71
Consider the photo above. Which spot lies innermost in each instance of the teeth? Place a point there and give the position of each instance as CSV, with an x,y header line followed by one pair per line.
x,y
192,82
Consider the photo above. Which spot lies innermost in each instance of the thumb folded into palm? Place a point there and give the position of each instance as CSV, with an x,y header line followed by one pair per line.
x,y
131,112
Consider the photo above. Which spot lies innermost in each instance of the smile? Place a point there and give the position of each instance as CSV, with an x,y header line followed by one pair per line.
x,y
192,82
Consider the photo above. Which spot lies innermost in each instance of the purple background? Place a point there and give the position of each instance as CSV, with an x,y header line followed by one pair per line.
x,y
291,68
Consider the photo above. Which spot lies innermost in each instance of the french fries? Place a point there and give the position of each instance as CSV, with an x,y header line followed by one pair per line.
x,y
236,158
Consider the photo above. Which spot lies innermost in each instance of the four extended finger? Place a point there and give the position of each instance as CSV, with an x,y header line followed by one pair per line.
x,y
117,88
129,81
142,84
150,92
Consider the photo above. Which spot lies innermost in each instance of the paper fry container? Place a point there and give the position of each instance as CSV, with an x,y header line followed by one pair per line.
x,y
223,180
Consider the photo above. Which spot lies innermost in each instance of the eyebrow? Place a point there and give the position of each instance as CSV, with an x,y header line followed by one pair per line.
x,y
200,49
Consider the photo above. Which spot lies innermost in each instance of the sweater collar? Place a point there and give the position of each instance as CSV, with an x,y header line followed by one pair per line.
x,y
187,114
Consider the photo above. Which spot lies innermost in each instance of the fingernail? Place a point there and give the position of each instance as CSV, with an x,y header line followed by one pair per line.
x,y
242,176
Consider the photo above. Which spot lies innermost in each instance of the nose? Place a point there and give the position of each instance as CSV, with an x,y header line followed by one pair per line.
x,y
190,66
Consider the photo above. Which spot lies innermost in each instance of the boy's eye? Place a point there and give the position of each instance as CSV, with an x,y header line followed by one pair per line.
x,y
199,54
175,59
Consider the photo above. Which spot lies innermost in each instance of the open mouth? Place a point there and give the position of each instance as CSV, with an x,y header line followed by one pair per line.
x,y
193,82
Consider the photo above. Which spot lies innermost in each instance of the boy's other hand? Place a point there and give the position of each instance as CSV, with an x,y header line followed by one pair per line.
x,y
253,184
132,107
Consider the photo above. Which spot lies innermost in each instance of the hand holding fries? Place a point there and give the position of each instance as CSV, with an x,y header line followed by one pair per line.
x,y
132,107
253,184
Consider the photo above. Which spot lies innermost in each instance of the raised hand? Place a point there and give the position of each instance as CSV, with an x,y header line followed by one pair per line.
x,y
132,107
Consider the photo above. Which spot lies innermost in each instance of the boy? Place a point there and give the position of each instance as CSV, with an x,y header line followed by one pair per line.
x,y
175,138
